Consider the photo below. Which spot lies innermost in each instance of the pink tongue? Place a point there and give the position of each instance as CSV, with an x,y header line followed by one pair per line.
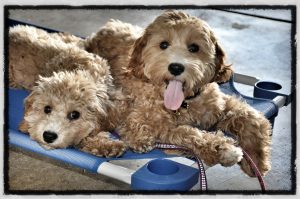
x,y
173,96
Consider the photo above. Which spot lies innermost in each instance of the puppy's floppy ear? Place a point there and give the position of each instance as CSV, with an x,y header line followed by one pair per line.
x,y
136,64
99,105
23,126
223,71
107,114
29,101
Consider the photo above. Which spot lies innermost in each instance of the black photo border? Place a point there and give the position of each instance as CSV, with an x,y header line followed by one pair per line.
x,y
227,8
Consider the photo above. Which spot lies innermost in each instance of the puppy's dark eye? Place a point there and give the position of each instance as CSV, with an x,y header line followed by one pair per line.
x,y
193,48
74,115
47,109
164,45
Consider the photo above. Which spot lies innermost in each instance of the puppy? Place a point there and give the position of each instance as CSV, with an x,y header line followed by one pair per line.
x,y
30,49
74,107
171,77
114,42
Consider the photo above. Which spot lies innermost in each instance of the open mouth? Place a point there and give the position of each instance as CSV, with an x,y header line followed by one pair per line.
x,y
174,94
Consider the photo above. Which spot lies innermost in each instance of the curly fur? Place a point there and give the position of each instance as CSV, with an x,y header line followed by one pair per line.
x,y
72,80
147,120
30,48
120,37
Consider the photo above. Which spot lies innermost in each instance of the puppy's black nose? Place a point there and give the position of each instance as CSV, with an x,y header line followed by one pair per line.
x,y
49,136
176,68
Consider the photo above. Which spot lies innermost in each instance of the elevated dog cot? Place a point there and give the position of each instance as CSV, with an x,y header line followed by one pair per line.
x,y
162,172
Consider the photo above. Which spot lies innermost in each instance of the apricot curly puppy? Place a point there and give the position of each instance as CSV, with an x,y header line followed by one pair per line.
x,y
171,75
74,107
146,110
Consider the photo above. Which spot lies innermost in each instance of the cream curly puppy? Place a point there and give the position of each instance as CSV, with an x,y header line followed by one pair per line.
x,y
74,107
171,76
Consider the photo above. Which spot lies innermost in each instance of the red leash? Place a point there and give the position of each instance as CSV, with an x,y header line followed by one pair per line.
x,y
255,170
202,175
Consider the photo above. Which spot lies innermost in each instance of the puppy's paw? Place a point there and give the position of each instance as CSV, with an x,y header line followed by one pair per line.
x,y
103,146
142,147
229,154
263,165
109,149
246,168
116,149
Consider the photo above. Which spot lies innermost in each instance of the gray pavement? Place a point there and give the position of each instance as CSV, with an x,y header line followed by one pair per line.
x,y
256,47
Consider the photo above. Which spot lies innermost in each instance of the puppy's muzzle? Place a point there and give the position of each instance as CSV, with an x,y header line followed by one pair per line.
x,y
176,68
49,136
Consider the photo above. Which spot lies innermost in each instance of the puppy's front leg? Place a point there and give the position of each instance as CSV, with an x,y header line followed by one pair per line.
x,y
102,145
213,148
253,131
141,141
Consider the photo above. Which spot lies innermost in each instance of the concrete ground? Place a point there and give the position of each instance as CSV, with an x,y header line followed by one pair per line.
x,y
257,47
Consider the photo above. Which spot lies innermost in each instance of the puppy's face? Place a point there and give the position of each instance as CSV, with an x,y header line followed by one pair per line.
x,y
64,108
181,54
